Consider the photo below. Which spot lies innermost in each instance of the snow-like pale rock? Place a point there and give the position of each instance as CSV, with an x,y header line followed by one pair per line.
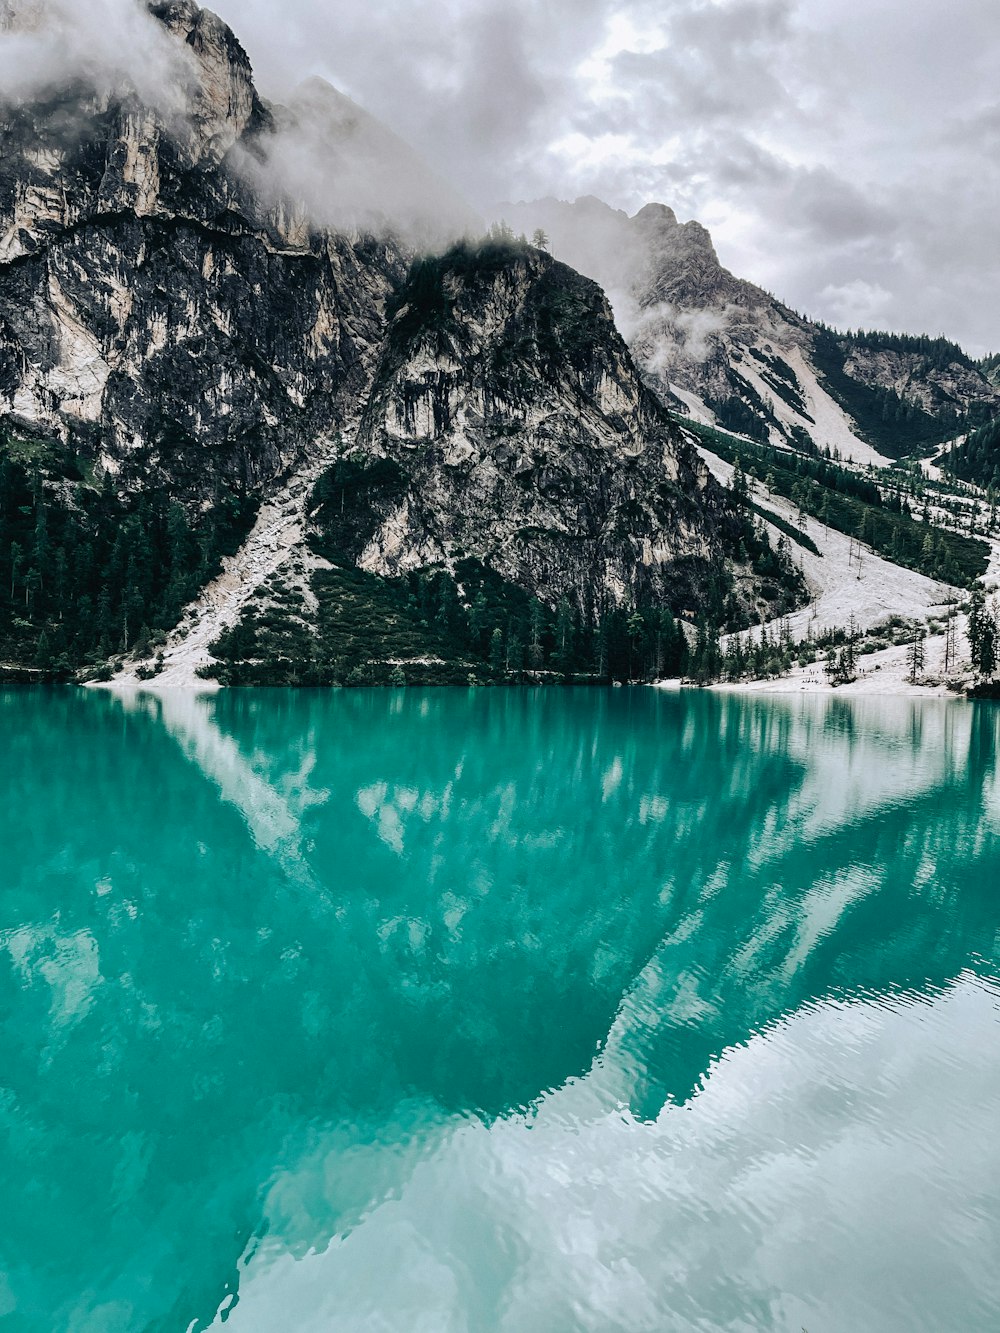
x,y
870,595
832,427
886,672
839,588
275,543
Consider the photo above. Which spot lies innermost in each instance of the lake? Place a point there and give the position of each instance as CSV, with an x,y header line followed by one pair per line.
x,y
498,1010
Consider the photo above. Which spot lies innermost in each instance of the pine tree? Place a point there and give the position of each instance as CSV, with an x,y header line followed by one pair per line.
x,y
514,659
16,558
497,651
43,653
983,634
740,489
949,640
635,628
478,621
847,657
976,627
916,655
536,652
988,649
564,634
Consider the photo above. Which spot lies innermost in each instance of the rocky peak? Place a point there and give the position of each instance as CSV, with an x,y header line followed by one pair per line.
x,y
176,327
717,346
150,302
221,97
507,324
509,422
656,216
176,15
179,61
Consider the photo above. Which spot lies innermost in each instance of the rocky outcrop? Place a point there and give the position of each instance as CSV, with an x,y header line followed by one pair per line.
x,y
951,382
508,421
155,310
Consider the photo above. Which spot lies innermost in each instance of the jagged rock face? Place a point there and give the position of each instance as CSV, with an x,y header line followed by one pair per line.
x,y
152,308
723,347
508,423
692,313
223,102
680,309
911,376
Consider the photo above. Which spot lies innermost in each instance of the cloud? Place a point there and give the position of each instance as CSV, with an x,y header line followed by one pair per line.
x,y
856,304
347,171
605,1221
824,145
327,160
46,45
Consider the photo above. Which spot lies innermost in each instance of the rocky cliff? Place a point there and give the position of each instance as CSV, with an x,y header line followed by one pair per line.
x,y
509,409
514,500
155,312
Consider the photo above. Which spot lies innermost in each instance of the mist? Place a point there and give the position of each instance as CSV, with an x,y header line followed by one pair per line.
x,y
842,158
101,45
350,173
323,163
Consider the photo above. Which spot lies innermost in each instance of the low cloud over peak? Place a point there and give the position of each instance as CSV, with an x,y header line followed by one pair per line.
x,y
103,44
843,156
823,145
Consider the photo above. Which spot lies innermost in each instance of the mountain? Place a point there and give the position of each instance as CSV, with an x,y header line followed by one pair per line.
x,y
990,366
158,316
227,386
508,402
509,463
727,352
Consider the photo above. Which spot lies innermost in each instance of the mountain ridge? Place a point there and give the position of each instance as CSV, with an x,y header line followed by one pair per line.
x,y
732,354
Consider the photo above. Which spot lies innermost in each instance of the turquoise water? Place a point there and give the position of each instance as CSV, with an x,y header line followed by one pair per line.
x,y
498,1010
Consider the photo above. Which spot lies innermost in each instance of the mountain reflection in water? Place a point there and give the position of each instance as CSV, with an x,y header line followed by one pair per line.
x,y
498,1010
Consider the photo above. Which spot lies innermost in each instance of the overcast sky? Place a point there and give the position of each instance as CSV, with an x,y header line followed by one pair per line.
x,y
844,153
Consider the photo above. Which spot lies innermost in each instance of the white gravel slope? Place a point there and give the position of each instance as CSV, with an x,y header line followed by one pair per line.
x,y
275,542
883,589
881,673
833,426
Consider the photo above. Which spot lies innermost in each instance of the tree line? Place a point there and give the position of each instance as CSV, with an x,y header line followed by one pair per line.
x,y
86,572
854,505
977,458
470,625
